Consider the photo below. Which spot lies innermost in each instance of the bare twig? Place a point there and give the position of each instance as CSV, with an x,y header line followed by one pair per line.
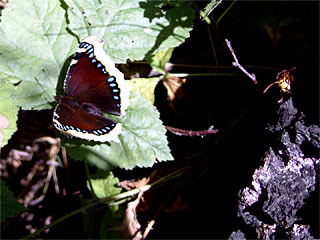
x,y
148,229
213,48
237,64
191,133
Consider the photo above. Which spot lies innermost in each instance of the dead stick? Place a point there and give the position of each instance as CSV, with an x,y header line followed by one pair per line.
x,y
148,228
237,64
191,133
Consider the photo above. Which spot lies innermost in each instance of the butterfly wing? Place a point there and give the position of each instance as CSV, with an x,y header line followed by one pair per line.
x,y
75,121
92,77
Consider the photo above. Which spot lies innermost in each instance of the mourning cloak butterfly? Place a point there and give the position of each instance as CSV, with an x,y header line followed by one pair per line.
x,y
93,85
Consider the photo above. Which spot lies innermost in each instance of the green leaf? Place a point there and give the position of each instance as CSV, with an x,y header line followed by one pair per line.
x,y
158,62
142,141
9,204
34,45
211,6
131,29
145,86
105,186
8,113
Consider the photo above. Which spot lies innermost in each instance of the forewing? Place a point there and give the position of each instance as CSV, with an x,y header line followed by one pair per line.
x,y
92,77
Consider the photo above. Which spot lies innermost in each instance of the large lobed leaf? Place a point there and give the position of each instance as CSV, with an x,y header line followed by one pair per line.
x,y
34,44
142,141
132,29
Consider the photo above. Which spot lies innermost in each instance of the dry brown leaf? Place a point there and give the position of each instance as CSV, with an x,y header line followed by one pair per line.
x,y
128,185
148,229
173,85
131,228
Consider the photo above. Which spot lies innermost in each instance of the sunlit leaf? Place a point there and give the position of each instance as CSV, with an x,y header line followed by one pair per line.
x,y
142,141
158,62
131,29
211,6
105,186
145,86
34,45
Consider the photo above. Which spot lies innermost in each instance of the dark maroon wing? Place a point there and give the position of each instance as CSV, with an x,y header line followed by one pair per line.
x,y
77,122
88,81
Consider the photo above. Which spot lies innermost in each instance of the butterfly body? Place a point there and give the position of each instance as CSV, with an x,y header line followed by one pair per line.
x,y
93,86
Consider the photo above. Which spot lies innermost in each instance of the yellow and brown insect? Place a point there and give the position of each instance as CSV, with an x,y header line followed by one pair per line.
x,y
284,81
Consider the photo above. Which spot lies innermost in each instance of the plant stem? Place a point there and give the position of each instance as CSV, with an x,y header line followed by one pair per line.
x,y
89,178
181,75
110,201
225,12
61,219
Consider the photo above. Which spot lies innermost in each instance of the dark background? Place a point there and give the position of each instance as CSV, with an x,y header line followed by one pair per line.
x,y
223,164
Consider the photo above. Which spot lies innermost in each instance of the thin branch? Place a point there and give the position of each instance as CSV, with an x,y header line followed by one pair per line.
x,y
191,133
237,64
225,12
208,66
213,48
148,228
183,75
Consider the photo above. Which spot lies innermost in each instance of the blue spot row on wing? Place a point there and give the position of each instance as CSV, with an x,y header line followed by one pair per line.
x,y
98,132
115,89
66,127
111,80
87,46
103,70
103,130
90,51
